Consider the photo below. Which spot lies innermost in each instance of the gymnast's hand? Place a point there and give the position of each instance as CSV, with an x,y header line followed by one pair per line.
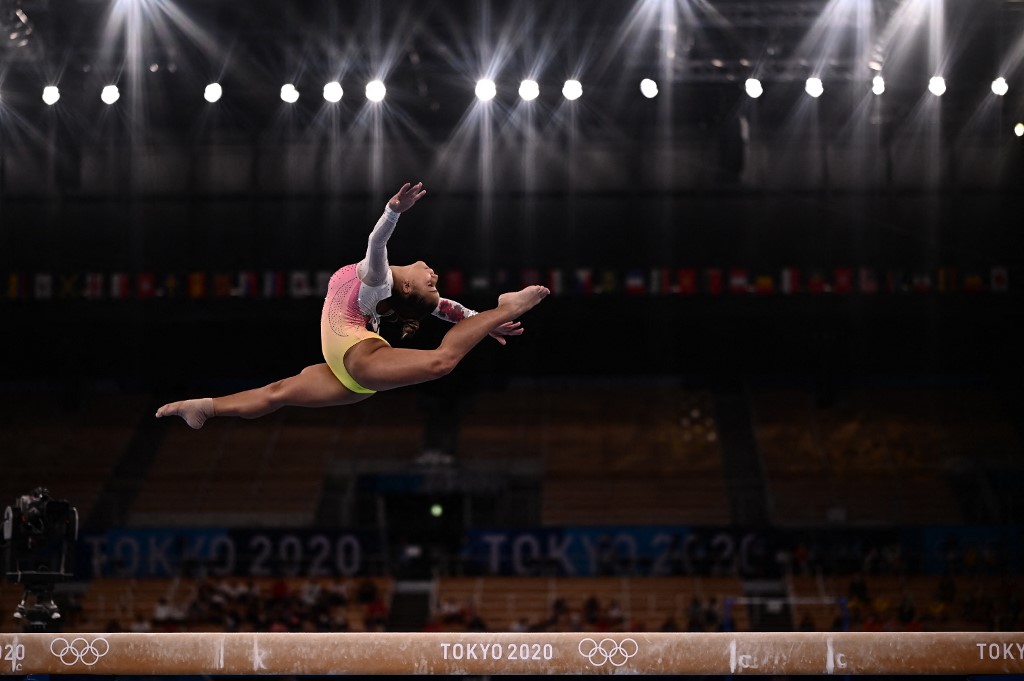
x,y
406,197
506,329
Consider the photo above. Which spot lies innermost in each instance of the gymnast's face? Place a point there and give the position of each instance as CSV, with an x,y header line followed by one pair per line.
x,y
423,282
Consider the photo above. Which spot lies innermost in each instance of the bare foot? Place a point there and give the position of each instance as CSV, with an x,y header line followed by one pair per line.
x,y
195,412
519,302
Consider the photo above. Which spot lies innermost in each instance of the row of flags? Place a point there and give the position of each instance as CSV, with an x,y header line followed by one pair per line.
x,y
681,281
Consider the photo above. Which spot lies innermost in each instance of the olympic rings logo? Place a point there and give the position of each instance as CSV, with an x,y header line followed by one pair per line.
x,y
608,651
79,650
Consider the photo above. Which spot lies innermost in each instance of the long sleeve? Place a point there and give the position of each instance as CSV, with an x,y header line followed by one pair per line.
x,y
373,269
451,311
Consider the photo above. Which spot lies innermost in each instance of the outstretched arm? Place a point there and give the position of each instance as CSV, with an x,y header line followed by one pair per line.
x,y
373,269
454,312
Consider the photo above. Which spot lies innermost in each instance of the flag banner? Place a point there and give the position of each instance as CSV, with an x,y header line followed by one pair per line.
x,y
634,284
43,287
713,281
921,282
555,281
323,282
247,285
581,281
842,280
609,282
790,280
93,286
196,285
299,285
867,280
454,283
764,284
273,285
120,286
220,285
999,280
739,280
687,281
816,283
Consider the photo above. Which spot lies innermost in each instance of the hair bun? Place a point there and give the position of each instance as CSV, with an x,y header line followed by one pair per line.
x,y
409,327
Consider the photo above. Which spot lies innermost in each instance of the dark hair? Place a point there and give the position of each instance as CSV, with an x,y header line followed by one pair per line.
x,y
409,309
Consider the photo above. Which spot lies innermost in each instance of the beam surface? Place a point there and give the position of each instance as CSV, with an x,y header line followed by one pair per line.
x,y
773,653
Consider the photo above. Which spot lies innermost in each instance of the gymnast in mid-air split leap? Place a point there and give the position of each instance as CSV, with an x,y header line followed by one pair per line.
x,y
359,362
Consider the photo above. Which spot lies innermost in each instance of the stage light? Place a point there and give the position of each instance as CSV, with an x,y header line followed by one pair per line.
x,y
878,85
485,89
937,85
1018,130
999,86
289,94
110,94
51,94
753,88
648,88
333,91
529,90
572,90
813,87
436,510
375,91
213,92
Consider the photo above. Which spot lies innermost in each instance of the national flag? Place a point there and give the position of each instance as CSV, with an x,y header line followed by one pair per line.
x,y
656,284
43,286
555,281
222,285
195,285
739,280
999,279
947,280
842,280
713,280
635,284
119,286
170,287
895,281
816,283
299,285
687,281
273,285
790,280
764,284
479,281
145,285
921,282
93,286
248,285
323,282
454,283
973,283
609,282
868,280
583,281
69,286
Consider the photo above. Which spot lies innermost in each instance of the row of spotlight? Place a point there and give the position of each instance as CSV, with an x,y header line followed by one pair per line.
x,y
528,90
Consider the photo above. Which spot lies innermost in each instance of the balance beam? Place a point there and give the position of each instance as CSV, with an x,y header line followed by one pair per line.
x,y
505,653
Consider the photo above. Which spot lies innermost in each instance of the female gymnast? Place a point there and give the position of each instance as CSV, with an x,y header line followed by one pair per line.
x,y
359,362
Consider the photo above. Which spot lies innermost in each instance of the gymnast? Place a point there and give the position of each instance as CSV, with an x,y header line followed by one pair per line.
x,y
359,362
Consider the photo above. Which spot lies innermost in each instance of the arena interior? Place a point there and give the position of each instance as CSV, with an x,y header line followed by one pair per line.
x,y
776,386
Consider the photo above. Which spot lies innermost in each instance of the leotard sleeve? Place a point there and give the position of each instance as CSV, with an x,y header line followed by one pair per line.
x,y
451,311
373,269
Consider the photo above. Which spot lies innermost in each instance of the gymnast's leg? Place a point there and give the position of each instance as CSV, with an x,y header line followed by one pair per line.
x,y
378,366
314,386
